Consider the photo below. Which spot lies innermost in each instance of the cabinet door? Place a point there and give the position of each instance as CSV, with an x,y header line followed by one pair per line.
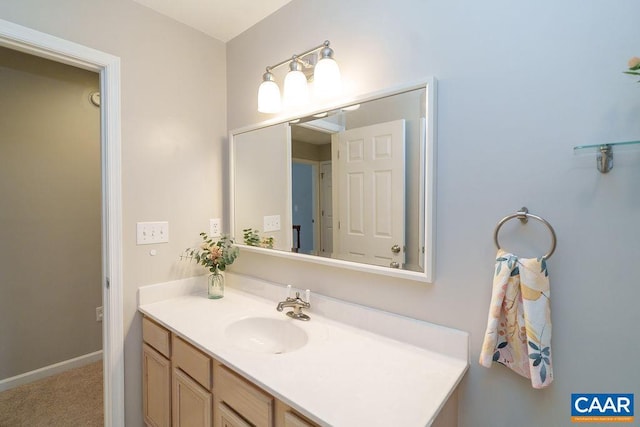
x,y
191,402
228,418
156,388
292,420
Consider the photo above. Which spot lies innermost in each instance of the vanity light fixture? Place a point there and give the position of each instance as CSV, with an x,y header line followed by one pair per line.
x,y
326,78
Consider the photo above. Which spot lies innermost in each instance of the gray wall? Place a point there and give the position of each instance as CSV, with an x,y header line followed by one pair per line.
x,y
519,84
173,130
50,256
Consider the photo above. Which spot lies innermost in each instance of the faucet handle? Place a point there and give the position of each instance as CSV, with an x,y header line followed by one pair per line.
x,y
308,296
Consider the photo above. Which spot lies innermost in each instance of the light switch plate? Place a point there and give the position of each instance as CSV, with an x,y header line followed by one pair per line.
x,y
215,227
149,233
271,223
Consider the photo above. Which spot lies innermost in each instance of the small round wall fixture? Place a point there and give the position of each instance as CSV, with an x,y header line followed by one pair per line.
x,y
94,97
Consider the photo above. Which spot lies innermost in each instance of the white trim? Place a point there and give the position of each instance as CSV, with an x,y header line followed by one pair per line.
x,y
44,45
47,371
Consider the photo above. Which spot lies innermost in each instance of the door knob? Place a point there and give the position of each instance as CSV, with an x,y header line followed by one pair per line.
x,y
395,249
394,264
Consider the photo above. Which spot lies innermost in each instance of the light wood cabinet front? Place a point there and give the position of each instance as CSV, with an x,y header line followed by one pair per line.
x,y
293,420
228,417
256,406
156,388
191,402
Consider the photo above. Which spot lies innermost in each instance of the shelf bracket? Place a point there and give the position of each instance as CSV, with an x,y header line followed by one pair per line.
x,y
604,158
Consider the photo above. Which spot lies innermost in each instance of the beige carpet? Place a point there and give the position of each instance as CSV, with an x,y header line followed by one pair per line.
x,y
69,399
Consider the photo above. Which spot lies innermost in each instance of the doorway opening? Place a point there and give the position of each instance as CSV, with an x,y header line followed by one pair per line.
x,y
33,42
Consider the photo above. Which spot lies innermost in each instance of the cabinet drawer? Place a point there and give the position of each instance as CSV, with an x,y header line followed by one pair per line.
x,y
192,361
255,405
156,336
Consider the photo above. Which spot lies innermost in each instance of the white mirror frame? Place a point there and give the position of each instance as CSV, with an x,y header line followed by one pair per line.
x,y
428,275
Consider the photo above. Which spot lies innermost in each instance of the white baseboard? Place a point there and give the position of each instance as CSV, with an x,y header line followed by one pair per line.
x,y
47,371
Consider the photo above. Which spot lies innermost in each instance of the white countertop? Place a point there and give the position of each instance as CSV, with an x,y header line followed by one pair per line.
x,y
343,376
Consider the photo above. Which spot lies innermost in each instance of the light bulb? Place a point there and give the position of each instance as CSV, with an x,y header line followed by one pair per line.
x,y
296,91
326,76
269,95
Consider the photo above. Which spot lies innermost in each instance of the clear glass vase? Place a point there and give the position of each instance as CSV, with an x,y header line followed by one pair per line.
x,y
216,285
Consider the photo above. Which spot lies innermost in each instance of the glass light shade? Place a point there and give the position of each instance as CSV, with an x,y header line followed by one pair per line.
x,y
326,78
269,97
296,91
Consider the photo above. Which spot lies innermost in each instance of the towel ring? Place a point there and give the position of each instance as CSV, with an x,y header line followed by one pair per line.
x,y
523,215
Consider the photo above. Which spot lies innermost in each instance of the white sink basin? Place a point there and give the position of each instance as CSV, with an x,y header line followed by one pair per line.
x,y
266,335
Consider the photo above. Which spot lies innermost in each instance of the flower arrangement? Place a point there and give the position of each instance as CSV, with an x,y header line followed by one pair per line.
x,y
215,256
252,238
634,67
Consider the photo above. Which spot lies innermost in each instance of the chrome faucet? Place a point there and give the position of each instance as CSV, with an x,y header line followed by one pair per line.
x,y
297,304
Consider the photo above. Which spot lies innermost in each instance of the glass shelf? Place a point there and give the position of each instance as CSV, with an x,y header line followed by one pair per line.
x,y
604,153
608,144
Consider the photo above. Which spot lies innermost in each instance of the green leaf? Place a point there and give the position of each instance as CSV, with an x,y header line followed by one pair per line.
x,y
533,346
537,361
543,373
545,351
503,344
496,356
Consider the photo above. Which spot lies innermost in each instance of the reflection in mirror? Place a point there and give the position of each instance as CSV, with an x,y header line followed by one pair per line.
x,y
346,184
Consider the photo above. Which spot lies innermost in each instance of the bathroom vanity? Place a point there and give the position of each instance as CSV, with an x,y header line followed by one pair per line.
x,y
239,362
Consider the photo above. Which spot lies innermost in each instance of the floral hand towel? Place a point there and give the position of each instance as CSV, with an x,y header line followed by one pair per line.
x,y
519,322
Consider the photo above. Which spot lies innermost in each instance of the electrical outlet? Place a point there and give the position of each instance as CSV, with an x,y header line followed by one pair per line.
x,y
99,314
148,233
271,223
215,227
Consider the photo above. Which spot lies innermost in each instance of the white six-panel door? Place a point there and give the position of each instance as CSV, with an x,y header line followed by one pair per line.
x,y
369,172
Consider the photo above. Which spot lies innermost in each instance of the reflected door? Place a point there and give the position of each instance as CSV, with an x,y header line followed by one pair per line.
x,y
303,196
369,171
326,209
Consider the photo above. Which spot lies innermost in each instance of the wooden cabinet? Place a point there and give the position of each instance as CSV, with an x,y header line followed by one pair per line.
x,y
184,387
192,399
156,373
227,417
288,417
191,402
250,402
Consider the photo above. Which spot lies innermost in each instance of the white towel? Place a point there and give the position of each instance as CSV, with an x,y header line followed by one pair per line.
x,y
519,322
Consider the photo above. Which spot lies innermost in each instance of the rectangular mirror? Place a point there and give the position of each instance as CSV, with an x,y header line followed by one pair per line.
x,y
350,186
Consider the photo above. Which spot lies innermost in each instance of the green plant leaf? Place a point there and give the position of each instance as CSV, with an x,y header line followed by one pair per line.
x,y
534,346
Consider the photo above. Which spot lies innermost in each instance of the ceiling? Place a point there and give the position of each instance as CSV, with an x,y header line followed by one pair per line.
x,y
221,19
